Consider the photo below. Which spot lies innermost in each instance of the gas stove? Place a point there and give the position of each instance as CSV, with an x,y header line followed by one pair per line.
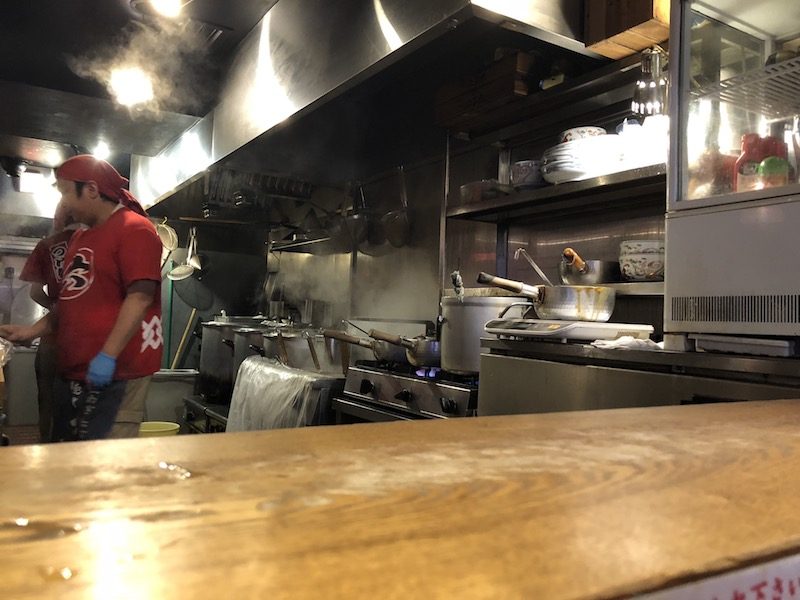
x,y
407,392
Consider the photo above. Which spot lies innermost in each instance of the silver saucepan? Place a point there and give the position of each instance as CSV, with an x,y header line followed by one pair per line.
x,y
576,271
561,302
421,351
383,351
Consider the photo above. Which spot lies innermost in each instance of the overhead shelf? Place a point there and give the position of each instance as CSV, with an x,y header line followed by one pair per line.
x,y
645,184
773,91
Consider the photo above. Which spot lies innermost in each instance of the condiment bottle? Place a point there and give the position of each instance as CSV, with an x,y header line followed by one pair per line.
x,y
745,174
773,170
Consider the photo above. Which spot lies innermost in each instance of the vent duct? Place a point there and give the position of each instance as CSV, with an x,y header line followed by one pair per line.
x,y
772,308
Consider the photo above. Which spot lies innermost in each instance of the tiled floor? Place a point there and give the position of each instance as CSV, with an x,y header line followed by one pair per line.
x,y
22,434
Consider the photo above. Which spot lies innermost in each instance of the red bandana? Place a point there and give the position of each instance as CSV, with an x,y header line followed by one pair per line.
x,y
86,167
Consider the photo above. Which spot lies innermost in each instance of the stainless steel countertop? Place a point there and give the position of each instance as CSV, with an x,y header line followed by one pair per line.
x,y
760,369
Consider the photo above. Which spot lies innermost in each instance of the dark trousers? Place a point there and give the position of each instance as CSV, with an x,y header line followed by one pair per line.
x,y
84,414
46,374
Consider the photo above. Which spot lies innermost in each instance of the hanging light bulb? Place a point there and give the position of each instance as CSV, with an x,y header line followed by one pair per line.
x,y
650,94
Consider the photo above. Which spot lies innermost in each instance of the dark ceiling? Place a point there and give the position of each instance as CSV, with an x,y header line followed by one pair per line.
x,y
54,54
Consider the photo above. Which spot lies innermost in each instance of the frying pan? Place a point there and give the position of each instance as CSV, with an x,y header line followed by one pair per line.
x,y
421,351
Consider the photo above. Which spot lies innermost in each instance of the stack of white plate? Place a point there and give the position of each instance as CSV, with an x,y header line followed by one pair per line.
x,y
583,158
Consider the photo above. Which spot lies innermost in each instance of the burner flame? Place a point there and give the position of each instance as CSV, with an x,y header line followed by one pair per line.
x,y
428,372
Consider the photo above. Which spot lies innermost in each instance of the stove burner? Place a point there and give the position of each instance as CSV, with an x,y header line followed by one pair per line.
x,y
428,372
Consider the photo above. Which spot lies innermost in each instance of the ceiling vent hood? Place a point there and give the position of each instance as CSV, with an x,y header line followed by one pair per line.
x,y
303,54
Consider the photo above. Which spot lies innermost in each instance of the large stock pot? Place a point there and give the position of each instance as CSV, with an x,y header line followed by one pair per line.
x,y
463,320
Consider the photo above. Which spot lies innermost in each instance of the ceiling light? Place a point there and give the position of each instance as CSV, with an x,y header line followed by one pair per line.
x,y
167,8
101,151
131,86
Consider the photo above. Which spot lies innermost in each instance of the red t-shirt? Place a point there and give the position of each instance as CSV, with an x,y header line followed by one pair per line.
x,y
101,263
45,265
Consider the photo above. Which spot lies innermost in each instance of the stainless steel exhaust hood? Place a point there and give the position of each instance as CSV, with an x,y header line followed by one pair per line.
x,y
303,54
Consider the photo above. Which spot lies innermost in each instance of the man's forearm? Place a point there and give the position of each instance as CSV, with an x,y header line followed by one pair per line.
x,y
130,317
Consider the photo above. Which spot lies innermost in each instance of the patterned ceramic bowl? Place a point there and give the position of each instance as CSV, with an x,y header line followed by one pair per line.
x,y
577,133
641,247
526,173
642,267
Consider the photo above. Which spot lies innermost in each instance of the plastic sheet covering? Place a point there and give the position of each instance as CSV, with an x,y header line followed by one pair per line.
x,y
268,395
6,348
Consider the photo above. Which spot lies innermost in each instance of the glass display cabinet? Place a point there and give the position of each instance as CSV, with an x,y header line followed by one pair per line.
x,y
733,190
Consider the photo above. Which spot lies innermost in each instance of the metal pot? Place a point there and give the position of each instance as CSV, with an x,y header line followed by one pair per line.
x,y
576,271
216,361
247,341
463,321
421,351
383,351
561,302
216,373
304,349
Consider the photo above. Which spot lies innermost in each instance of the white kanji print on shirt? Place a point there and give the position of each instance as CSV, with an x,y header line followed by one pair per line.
x,y
57,254
79,276
151,334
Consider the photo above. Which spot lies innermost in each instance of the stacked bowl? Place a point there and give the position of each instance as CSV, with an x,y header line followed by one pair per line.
x,y
583,153
642,260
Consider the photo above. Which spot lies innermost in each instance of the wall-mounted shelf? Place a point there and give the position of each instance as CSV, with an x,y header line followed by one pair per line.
x,y
633,186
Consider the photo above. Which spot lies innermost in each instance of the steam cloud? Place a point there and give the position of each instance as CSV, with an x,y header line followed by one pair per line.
x,y
173,54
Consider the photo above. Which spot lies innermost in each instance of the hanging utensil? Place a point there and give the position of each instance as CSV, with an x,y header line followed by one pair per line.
x,y
169,240
396,224
185,270
522,252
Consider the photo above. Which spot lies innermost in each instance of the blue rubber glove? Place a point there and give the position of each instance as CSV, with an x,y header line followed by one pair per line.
x,y
101,370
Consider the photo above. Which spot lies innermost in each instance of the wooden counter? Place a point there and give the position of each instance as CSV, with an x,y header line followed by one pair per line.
x,y
569,505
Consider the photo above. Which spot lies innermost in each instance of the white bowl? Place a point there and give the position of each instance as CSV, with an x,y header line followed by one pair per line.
x,y
641,247
642,267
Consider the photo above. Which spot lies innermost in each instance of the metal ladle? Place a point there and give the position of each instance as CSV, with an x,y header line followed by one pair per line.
x,y
522,252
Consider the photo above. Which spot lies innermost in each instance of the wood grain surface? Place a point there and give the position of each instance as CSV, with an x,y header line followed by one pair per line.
x,y
595,504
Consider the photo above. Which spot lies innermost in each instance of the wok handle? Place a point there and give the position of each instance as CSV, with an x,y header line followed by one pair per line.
x,y
257,349
510,285
574,259
390,337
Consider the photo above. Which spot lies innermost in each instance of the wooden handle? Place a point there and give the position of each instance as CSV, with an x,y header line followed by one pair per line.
x,y
510,285
283,355
345,337
574,259
182,343
388,337
313,351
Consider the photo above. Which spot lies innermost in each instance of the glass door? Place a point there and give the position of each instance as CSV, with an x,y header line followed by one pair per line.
x,y
735,99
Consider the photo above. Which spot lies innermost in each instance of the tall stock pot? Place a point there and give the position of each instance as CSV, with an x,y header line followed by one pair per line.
x,y
462,326
215,379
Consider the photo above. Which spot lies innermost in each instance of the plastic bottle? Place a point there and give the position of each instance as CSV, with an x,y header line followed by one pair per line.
x,y
773,170
746,168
